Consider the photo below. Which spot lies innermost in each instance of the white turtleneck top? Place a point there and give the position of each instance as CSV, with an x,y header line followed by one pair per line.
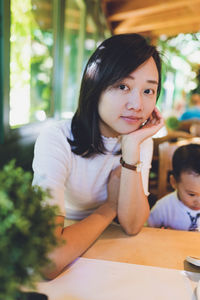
x,y
78,185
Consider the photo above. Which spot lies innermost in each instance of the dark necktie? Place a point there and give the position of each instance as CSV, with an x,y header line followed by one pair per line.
x,y
193,225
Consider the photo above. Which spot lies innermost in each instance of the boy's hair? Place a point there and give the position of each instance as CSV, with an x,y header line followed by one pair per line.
x,y
186,159
112,61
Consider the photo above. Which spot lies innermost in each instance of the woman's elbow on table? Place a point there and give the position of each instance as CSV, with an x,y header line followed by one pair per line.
x,y
58,261
131,229
57,257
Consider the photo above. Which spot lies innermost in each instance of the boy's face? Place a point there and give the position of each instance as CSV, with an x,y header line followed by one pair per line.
x,y
188,189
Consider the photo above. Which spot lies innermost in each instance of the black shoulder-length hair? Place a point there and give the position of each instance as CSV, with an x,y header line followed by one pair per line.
x,y
113,60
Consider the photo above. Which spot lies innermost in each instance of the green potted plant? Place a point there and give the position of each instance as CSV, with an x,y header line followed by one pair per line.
x,y
27,226
172,123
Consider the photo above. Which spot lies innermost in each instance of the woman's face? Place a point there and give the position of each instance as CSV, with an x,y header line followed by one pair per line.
x,y
124,106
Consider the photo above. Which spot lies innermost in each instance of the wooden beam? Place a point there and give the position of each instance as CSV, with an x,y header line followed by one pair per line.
x,y
175,15
172,31
194,20
161,7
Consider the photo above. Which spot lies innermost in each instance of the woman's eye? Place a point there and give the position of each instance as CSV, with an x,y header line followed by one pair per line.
x,y
149,91
123,87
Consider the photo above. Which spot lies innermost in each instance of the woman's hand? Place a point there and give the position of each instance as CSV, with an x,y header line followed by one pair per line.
x,y
154,123
113,187
131,141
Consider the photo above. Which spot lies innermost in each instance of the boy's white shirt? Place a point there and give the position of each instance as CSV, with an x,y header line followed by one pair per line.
x,y
170,212
78,185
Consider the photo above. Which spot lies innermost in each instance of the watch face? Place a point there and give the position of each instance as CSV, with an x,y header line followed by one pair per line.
x,y
139,166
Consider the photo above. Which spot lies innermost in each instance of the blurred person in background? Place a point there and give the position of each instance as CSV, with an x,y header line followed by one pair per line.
x,y
193,111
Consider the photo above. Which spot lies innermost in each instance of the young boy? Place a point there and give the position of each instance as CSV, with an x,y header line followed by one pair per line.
x,y
181,209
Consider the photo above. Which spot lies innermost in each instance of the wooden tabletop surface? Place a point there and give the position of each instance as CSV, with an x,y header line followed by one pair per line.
x,y
164,248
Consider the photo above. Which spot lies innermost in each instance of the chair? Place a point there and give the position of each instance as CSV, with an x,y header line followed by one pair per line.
x,y
171,136
188,126
195,129
165,153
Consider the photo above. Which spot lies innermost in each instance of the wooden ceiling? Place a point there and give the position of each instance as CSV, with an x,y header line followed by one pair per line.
x,y
153,17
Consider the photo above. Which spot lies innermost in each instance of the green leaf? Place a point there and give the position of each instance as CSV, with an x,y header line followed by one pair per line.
x,y
26,231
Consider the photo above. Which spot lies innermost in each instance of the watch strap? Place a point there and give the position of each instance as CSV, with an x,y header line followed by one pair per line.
x,y
136,167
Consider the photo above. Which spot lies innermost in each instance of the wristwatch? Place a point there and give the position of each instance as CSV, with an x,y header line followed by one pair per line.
x,y
136,167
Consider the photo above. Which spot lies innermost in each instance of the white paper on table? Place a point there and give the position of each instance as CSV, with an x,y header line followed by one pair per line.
x,y
91,279
198,290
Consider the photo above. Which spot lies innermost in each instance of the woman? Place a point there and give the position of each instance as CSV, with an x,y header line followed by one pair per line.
x,y
114,122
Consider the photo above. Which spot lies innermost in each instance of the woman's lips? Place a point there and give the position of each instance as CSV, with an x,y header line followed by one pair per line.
x,y
131,119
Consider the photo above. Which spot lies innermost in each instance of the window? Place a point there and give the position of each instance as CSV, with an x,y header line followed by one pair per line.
x,y
73,53
31,61
84,29
44,47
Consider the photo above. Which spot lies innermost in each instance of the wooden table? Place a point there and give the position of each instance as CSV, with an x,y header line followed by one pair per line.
x,y
164,248
85,280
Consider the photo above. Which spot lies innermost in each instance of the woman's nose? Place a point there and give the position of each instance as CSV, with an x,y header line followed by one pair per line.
x,y
135,101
